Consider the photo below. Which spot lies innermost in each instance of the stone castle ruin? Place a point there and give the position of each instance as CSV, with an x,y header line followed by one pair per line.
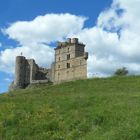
x,y
70,64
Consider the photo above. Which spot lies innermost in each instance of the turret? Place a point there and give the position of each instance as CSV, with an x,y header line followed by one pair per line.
x,y
68,40
20,72
74,40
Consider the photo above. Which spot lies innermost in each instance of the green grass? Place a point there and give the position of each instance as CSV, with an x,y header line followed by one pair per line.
x,y
93,109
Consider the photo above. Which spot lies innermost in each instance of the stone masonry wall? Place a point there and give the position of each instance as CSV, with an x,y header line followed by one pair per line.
x,y
70,64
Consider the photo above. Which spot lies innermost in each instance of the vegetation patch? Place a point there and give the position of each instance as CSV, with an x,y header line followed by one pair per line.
x,y
92,109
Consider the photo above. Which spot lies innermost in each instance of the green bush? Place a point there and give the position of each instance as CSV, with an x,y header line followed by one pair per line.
x,y
121,72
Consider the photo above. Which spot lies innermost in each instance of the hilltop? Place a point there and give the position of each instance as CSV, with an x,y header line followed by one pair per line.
x,y
92,109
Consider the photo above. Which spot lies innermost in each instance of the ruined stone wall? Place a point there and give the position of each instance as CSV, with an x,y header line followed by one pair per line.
x,y
33,69
36,72
70,64
42,74
27,72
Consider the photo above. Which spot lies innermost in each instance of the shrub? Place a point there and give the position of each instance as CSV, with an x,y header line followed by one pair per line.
x,y
121,72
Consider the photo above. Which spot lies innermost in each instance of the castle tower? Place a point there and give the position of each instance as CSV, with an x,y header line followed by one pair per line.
x,y
20,72
70,61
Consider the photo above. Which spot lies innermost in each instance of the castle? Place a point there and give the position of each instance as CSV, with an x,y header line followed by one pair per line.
x,y
70,64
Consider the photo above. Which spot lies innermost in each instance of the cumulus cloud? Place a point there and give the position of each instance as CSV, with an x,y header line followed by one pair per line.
x,y
112,43
35,36
42,54
48,28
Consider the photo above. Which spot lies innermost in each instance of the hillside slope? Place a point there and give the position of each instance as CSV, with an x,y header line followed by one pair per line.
x,y
94,109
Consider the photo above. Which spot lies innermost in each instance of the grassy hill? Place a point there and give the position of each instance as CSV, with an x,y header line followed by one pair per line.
x,y
93,109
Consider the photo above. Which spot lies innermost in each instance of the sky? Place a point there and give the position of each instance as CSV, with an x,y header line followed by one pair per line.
x,y
109,28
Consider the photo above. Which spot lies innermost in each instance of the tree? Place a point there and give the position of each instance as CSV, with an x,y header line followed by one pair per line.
x,y
121,72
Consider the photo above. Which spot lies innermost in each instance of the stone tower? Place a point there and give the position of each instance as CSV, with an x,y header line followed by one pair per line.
x,y
20,72
70,61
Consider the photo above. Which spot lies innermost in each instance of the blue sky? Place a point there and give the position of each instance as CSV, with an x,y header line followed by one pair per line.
x,y
107,28
20,10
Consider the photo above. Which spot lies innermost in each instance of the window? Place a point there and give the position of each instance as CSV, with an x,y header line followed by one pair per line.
x,y
58,66
68,56
59,58
68,65
68,49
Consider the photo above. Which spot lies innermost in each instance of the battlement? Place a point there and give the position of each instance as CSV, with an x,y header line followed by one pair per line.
x,y
69,42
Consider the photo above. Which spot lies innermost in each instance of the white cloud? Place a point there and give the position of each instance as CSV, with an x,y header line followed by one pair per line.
x,y
8,80
112,43
42,54
34,38
48,28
